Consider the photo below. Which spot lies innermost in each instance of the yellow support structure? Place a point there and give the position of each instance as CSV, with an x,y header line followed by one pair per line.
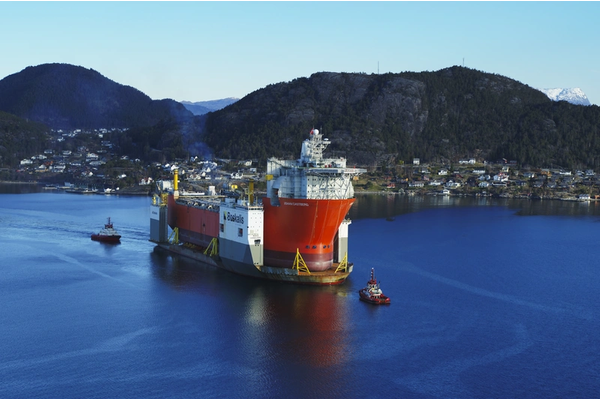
x,y
299,263
174,238
343,266
212,249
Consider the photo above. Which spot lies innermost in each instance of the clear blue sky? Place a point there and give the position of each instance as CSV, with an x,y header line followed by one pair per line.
x,y
199,51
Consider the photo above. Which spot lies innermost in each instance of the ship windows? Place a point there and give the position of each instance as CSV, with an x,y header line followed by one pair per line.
x,y
314,247
240,232
307,246
222,228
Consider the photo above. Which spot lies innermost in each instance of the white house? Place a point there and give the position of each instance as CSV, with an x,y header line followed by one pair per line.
x,y
452,185
416,184
500,177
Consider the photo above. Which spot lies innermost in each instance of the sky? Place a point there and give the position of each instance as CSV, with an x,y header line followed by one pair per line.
x,y
199,51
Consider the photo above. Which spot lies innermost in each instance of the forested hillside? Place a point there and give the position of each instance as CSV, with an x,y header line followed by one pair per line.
x,y
65,96
439,116
436,116
20,139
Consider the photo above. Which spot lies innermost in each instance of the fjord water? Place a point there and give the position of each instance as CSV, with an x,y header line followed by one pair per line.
x,y
490,299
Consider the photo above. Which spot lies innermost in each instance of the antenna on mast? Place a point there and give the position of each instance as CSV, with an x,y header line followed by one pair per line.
x,y
377,67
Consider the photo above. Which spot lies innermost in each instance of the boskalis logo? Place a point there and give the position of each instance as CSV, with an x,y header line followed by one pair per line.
x,y
227,216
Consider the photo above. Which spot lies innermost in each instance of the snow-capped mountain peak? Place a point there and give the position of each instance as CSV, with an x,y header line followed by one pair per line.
x,y
573,95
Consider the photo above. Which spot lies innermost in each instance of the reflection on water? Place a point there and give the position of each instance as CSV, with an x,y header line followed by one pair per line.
x,y
20,188
294,322
388,205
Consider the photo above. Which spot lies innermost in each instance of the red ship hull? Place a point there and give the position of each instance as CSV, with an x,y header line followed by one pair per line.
x,y
196,225
106,239
304,225
364,296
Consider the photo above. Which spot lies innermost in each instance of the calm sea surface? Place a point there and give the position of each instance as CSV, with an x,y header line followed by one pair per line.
x,y
490,299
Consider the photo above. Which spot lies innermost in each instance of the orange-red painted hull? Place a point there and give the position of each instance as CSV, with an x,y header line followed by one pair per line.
x,y
307,225
196,225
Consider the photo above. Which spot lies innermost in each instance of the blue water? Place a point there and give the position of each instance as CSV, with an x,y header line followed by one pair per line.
x,y
489,300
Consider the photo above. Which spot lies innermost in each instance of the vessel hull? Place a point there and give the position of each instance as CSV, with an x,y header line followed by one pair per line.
x,y
106,239
196,225
305,225
364,296
329,277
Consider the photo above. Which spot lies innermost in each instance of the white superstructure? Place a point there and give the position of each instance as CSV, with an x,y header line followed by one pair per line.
x,y
311,176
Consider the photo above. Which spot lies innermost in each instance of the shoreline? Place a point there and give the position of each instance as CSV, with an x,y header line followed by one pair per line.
x,y
555,196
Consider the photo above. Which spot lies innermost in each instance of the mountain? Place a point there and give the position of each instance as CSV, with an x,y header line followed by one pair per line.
x,y
204,107
65,96
372,120
439,116
573,96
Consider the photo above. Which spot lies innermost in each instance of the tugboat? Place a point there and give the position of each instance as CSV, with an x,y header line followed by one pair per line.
x,y
108,234
372,292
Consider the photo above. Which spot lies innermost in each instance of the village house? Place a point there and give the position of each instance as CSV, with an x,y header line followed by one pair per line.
x,y
501,177
452,185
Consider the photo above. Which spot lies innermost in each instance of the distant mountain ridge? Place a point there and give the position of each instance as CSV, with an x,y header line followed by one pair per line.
x,y
204,107
573,95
